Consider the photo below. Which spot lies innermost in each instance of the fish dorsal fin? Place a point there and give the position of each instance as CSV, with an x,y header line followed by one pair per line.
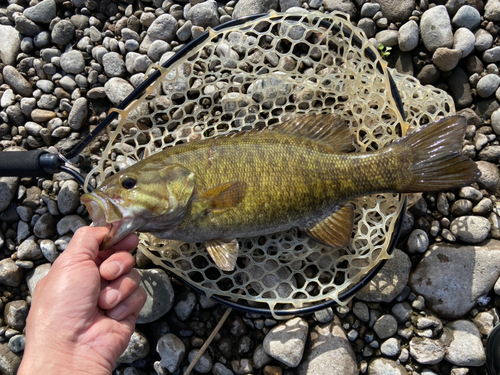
x,y
327,128
336,229
224,196
223,252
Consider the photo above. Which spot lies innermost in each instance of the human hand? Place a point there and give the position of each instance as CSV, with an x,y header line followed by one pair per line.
x,y
84,311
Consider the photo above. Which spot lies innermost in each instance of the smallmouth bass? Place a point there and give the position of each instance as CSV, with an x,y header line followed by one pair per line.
x,y
299,174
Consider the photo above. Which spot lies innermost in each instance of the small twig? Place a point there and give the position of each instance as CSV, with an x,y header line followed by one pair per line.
x,y
207,343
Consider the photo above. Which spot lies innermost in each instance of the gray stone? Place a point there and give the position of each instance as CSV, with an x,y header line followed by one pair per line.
x,y
138,348
468,17
113,64
63,32
430,74
249,7
204,364
9,44
446,59
385,326
17,343
9,361
485,321
470,229
42,12
72,62
27,27
163,28
157,49
70,223
398,11
185,305
461,207
35,275
470,193
466,348
15,314
344,6
484,40
402,312
492,10
426,351
418,242
490,176
452,278
171,350
8,188
260,357
460,88
29,249
388,38
286,342
361,310
328,352
324,315
408,37
491,55
487,85
384,366
16,81
369,9
160,295
435,28
49,250
391,347
464,40
117,89
389,281
68,198
204,14
10,273
368,26
78,114
490,153
45,227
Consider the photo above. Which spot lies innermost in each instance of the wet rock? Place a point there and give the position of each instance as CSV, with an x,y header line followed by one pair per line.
x,y
16,81
389,281
286,342
137,348
160,295
10,273
171,350
45,227
9,44
328,352
466,348
452,278
435,28
15,314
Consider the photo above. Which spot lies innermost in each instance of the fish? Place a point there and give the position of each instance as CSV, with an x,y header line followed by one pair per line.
x,y
301,174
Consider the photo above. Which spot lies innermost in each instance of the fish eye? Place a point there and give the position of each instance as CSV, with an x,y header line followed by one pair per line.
x,y
129,183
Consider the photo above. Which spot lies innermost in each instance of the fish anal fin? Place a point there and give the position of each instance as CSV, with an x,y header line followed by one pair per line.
x,y
224,253
336,229
328,128
224,196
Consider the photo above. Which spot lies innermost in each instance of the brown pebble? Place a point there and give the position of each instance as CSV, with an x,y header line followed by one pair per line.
x,y
272,370
42,115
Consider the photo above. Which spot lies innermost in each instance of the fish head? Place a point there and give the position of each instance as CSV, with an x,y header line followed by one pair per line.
x,y
141,198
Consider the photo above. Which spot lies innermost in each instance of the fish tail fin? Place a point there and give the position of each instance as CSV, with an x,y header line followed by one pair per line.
x,y
437,163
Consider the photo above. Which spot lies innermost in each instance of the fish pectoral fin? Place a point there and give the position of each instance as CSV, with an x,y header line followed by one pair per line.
x,y
224,253
336,229
224,196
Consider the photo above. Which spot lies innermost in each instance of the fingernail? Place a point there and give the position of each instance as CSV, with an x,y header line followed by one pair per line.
x,y
117,312
114,267
111,296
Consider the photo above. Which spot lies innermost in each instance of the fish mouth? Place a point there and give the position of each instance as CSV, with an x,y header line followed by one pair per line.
x,y
106,214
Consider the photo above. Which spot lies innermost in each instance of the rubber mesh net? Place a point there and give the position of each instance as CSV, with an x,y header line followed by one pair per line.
x,y
252,76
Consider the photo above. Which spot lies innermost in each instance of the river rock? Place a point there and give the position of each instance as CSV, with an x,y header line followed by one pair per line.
x,y
389,281
396,11
426,351
10,43
466,348
15,314
328,352
171,350
163,28
464,40
452,278
470,229
468,17
249,7
384,366
446,59
16,81
160,295
36,274
286,342
8,188
42,12
409,36
10,273
138,348
435,28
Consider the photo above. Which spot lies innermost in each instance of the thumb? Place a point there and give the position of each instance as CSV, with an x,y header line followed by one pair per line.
x,y
85,244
